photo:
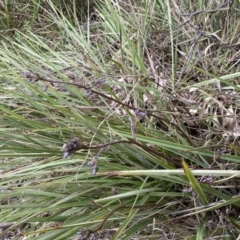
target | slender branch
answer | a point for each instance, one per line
(47, 79)
(76, 145)
(149, 112)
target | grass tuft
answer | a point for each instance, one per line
(100, 102)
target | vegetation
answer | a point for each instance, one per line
(144, 97)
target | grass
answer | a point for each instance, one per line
(145, 98)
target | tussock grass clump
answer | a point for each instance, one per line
(120, 120)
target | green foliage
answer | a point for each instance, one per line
(128, 73)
